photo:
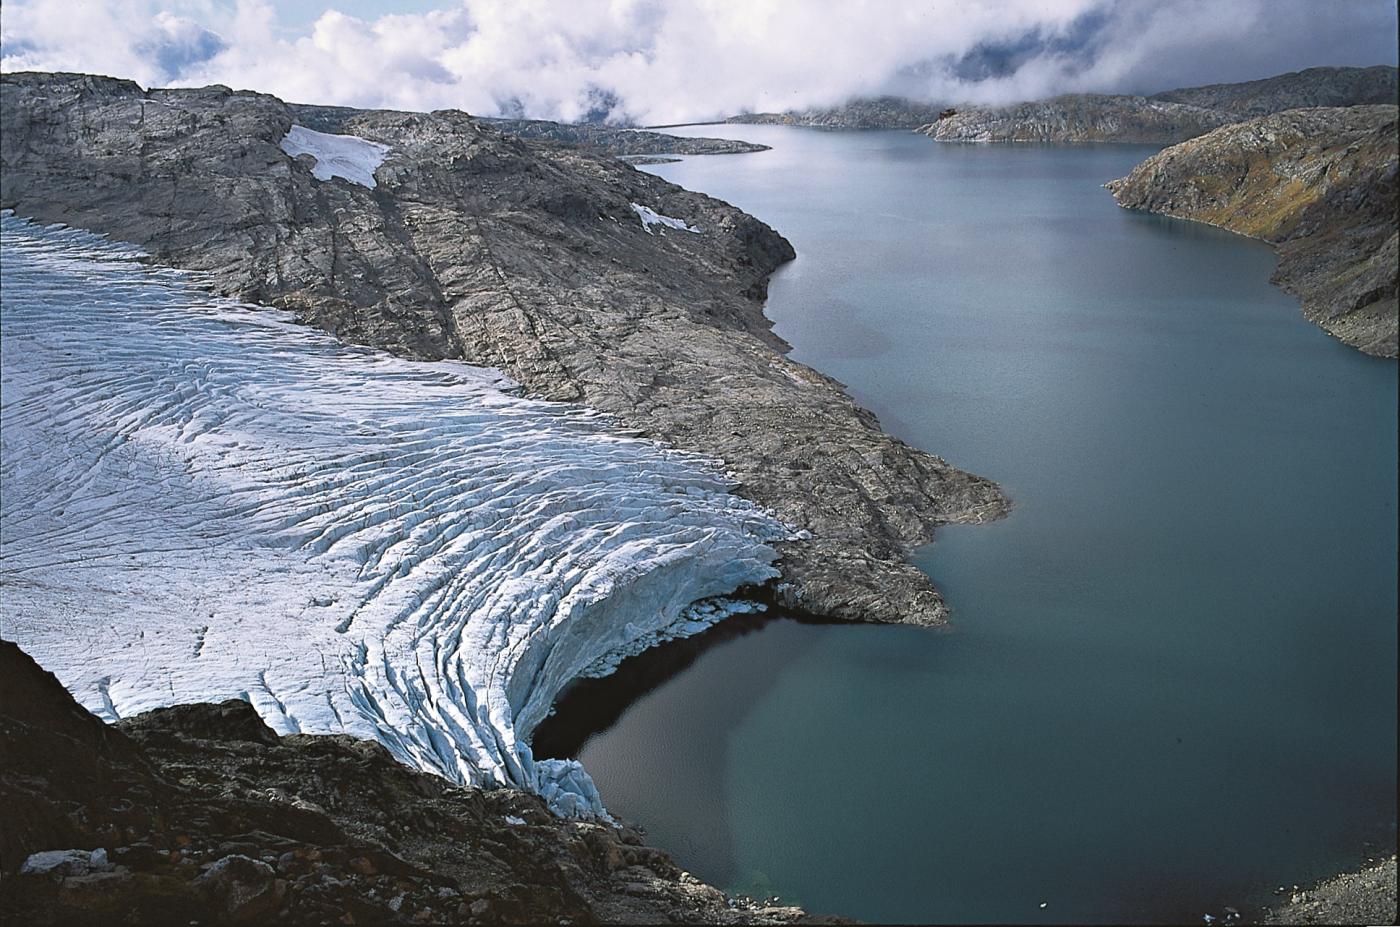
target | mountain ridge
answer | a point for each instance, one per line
(1163, 118)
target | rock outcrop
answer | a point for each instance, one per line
(1080, 117)
(200, 813)
(630, 143)
(1320, 185)
(1163, 118)
(867, 113)
(615, 140)
(533, 258)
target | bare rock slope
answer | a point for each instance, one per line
(864, 113)
(1320, 184)
(615, 140)
(1082, 117)
(620, 141)
(1163, 118)
(201, 814)
(1294, 90)
(544, 261)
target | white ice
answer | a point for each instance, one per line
(204, 501)
(651, 217)
(348, 156)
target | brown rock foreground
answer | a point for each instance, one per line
(201, 814)
(523, 256)
(1320, 185)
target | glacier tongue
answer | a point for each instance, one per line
(204, 500)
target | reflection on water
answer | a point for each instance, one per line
(727, 669)
(1172, 676)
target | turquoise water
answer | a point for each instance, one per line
(1171, 678)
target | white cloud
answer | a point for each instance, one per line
(671, 60)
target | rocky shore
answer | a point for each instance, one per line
(1163, 118)
(1367, 896)
(530, 257)
(201, 814)
(1319, 184)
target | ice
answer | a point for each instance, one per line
(651, 217)
(204, 501)
(347, 156)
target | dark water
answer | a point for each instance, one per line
(1172, 676)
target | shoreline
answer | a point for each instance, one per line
(1364, 895)
(524, 257)
(607, 699)
(783, 595)
(1317, 185)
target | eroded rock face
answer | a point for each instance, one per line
(200, 812)
(530, 258)
(1320, 184)
(1163, 118)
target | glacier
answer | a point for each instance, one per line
(348, 156)
(205, 500)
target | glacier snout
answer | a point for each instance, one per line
(204, 500)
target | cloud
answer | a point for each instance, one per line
(652, 61)
(152, 44)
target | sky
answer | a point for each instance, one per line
(664, 61)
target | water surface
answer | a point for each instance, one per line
(1172, 675)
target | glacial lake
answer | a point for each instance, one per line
(1170, 683)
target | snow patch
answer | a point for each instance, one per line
(651, 217)
(205, 500)
(347, 156)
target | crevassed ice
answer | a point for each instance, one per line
(349, 156)
(205, 501)
(651, 217)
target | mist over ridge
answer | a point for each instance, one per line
(650, 62)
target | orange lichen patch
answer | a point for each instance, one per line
(1267, 210)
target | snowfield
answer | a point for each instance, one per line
(650, 217)
(348, 156)
(204, 500)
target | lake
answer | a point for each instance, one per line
(1170, 681)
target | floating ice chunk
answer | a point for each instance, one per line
(348, 156)
(651, 217)
(207, 501)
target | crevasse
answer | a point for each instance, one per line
(204, 500)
